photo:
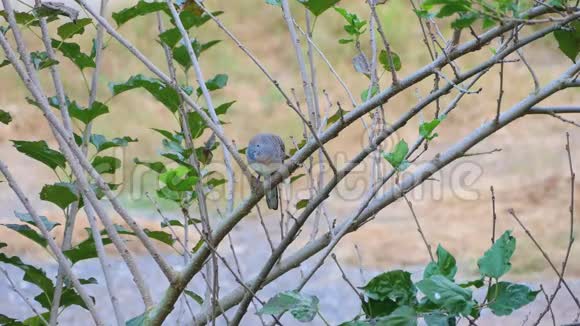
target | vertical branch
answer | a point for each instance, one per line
(201, 81)
(395, 80)
(419, 229)
(308, 93)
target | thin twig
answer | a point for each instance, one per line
(419, 229)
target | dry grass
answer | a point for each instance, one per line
(530, 174)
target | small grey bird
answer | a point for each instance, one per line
(266, 155)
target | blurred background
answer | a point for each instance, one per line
(529, 174)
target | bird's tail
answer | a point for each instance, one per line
(272, 198)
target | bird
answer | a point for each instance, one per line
(265, 154)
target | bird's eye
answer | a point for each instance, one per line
(258, 146)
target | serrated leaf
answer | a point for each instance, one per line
(384, 60)
(397, 157)
(61, 194)
(505, 297)
(28, 232)
(465, 20)
(161, 91)
(426, 128)
(84, 115)
(569, 40)
(5, 117)
(70, 29)
(40, 151)
(196, 124)
(302, 307)
(496, 261)
(445, 265)
(394, 285)
(73, 52)
(24, 217)
(224, 108)
(443, 292)
(142, 8)
(377, 308)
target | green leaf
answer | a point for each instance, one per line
(475, 283)
(302, 203)
(302, 307)
(439, 319)
(5, 117)
(445, 265)
(426, 128)
(71, 29)
(179, 179)
(274, 2)
(141, 320)
(336, 116)
(377, 308)
(101, 143)
(368, 93)
(196, 124)
(4, 63)
(84, 115)
(296, 177)
(161, 91)
(194, 296)
(397, 157)
(160, 236)
(191, 18)
(32, 274)
(181, 55)
(84, 250)
(402, 316)
(569, 40)
(496, 261)
(28, 219)
(35, 320)
(40, 151)
(61, 194)
(450, 296)
(73, 52)
(300, 145)
(5, 320)
(465, 20)
(505, 297)
(317, 7)
(22, 18)
(394, 285)
(142, 8)
(106, 164)
(223, 108)
(155, 166)
(28, 232)
(384, 60)
(217, 82)
(178, 223)
(40, 60)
